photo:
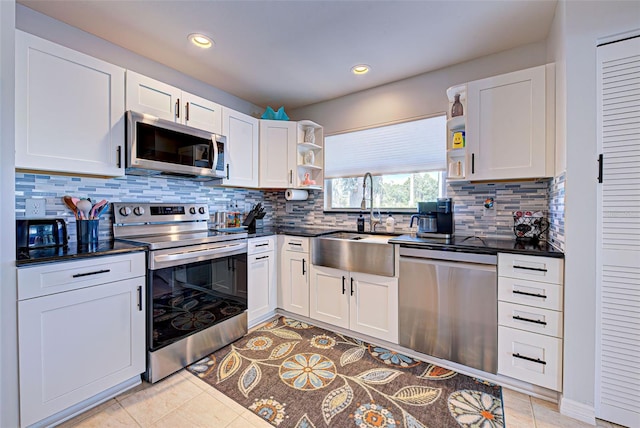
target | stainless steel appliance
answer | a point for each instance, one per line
(157, 146)
(196, 282)
(449, 305)
(435, 219)
(39, 233)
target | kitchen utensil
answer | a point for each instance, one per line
(84, 207)
(97, 208)
(68, 201)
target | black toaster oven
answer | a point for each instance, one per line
(40, 233)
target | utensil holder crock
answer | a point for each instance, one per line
(87, 232)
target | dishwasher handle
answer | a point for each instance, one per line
(450, 256)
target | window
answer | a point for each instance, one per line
(406, 160)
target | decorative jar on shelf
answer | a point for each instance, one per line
(309, 157)
(456, 108)
(309, 135)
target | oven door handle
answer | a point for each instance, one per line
(197, 253)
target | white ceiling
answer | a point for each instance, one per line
(295, 53)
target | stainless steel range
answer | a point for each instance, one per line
(196, 282)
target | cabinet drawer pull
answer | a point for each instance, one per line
(262, 245)
(344, 288)
(352, 286)
(519, 318)
(261, 258)
(524, 293)
(140, 298)
(529, 268)
(535, 360)
(296, 244)
(78, 275)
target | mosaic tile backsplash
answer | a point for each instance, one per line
(471, 217)
(128, 189)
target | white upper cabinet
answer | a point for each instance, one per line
(291, 154)
(69, 110)
(509, 125)
(241, 156)
(277, 154)
(146, 95)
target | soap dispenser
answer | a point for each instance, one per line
(360, 223)
(390, 224)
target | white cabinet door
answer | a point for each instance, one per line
(295, 282)
(77, 344)
(202, 114)
(146, 95)
(374, 306)
(329, 292)
(506, 127)
(618, 234)
(241, 157)
(69, 110)
(261, 282)
(277, 154)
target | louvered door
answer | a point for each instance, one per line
(618, 281)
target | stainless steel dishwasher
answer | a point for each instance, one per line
(449, 306)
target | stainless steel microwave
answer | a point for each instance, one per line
(160, 147)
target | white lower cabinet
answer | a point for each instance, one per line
(261, 279)
(364, 303)
(77, 344)
(530, 326)
(294, 275)
(530, 357)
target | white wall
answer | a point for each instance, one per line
(417, 96)
(556, 54)
(586, 22)
(56, 31)
(8, 292)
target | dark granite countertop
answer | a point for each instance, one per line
(75, 252)
(309, 232)
(486, 245)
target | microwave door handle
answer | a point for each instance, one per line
(197, 253)
(214, 152)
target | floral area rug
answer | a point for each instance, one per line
(293, 374)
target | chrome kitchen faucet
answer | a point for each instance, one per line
(373, 220)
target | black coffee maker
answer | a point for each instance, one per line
(435, 219)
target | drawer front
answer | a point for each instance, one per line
(530, 293)
(534, 268)
(529, 318)
(296, 243)
(261, 245)
(57, 277)
(530, 357)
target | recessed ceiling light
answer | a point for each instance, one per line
(360, 69)
(200, 40)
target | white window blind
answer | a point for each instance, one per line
(416, 146)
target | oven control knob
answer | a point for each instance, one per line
(192, 210)
(138, 211)
(201, 210)
(125, 211)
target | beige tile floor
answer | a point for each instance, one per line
(183, 400)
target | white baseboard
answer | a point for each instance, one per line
(577, 410)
